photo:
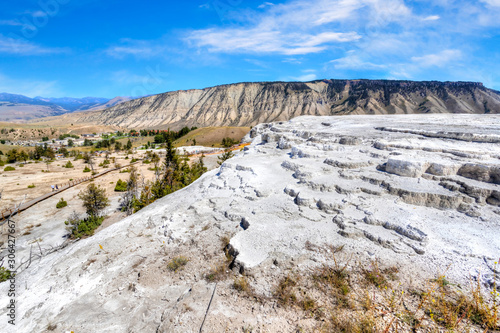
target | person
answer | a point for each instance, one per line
(52, 186)
(57, 188)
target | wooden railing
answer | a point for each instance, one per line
(6, 213)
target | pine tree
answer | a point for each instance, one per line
(225, 156)
(94, 200)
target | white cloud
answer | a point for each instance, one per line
(300, 27)
(431, 18)
(292, 61)
(204, 6)
(266, 4)
(23, 47)
(305, 77)
(258, 41)
(354, 62)
(493, 3)
(440, 59)
(137, 48)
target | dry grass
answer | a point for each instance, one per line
(51, 327)
(241, 284)
(212, 136)
(369, 298)
(218, 272)
(177, 263)
(284, 292)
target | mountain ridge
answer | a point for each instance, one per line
(15, 107)
(250, 103)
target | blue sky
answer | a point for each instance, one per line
(108, 48)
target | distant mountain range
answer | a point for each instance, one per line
(248, 104)
(20, 108)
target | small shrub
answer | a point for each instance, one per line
(86, 227)
(284, 290)
(218, 272)
(177, 263)
(61, 204)
(31, 186)
(9, 168)
(241, 284)
(121, 186)
(21, 165)
(86, 169)
(68, 165)
(5, 274)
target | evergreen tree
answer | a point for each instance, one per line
(225, 156)
(94, 200)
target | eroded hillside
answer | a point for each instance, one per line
(248, 104)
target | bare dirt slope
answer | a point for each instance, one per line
(248, 104)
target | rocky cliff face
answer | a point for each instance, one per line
(248, 104)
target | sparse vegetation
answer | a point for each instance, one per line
(121, 186)
(176, 174)
(61, 204)
(84, 227)
(9, 168)
(241, 284)
(177, 263)
(5, 274)
(225, 156)
(94, 200)
(68, 165)
(228, 142)
(31, 186)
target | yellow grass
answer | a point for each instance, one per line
(212, 136)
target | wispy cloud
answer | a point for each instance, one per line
(431, 18)
(258, 41)
(353, 61)
(305, 77)
(136, 48)
(299, 27)
(9, 45)
(493, 3)
(12, 23)
(266, 4)
(440, 59)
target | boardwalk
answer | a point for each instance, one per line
(15, 210)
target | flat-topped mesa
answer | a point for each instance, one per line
(248, 104)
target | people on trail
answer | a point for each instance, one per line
(57, 188)
(52, 186)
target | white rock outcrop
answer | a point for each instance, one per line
(393, 195)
